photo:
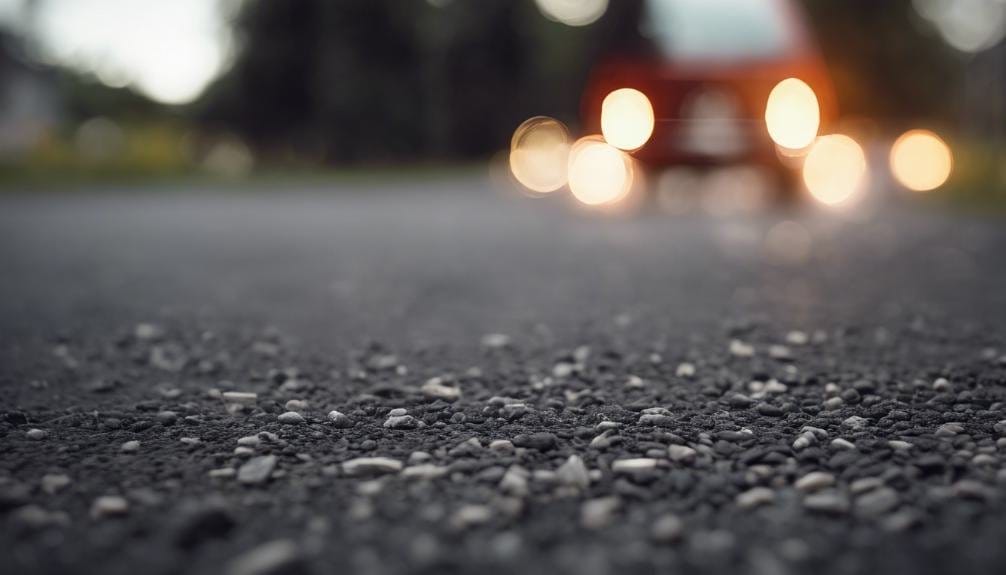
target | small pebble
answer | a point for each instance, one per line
(54, 482)
(36, 434)
(435, 388)
(290, 418)
(339, 419)
(109, 506)
(681, 453)
(495, 340)
(244, 398)
(598, 513)
(754, 497)
(277, 557)
(814, 481)
(371, 466)
(876, 502)
(573, 473)
(401, 422)
(827, 502)
(501, 445)
(667, 529)
(839, 443)
(257, 469)
(634, 465)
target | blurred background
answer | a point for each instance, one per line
(99, 90)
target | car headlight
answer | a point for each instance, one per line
(627, 119)
(792, 114)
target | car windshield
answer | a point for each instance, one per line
(717, 28)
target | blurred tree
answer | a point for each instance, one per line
(885, 64)
(382, 80)
(343, 80)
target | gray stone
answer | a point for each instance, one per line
(339, 419)
(276, 557)
(402, 422)
(876, 502)
(291, 418)
(754, 497)
(831, 502)
(573, 473)
(667, 529)
(598, 513)
(681, 453)
(371, 466)
(257, 469)
(435, 388)
(814, 481)
(109, 506)
(54, 482)
(36, 434)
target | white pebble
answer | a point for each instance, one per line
(36, 434)
(434, 387)
(681, 453)
(634, 465)
(371, 465)
(855, 422)
(839, 443)
(249, 441)
(740, 349)
(54, 482)
(257, 469)
(598, 513)
(424, 471)
(109, 506)
(244, 398)
(495, 340)
(814, 481)
(503, 445)
(941, 384)
(797, 338)
(223, 472)
(130, 446)
(290, 418)
(754, 497)
(573, 473)
(266, 559)
(685, 369)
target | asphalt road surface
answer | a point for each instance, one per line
(442, 377)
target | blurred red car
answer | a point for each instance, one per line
(708, 67)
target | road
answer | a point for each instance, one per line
(709, 394)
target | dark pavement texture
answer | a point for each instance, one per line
(125, 315)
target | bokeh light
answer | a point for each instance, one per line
(968, 25)
(627, 119)
(573, 12)
(539, 154)
(921, 161)
(599, 173)
(792, 114)
(835, 169)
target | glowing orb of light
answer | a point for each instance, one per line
(834, 169)
(573, 12)
(599, 173)
(792, 114)
(921, 161)
(539, 154)
(627, 118)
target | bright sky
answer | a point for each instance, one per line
(169, 50)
